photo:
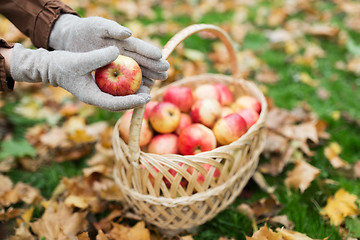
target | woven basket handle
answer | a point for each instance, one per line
(135, 127)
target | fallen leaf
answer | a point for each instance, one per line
(83, 236)
(283, 220)
(22, 233)
(261, 182)
(59, 222)
(301, 176)
(341, 205)
(332, 152)
(10, 213)
(292, 235)
(322, 30)
(121, 232)
(105, 223)
(357, 169)
(266, 207)
(267, 76)
(101, 235)
(265, 233)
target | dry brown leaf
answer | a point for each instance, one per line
(283, 220)
(121, 232)
(27, 193)
(301, 132)
(6, 215)
(265, 233)
(301, 176)
(101, 235)
(357, 169)
(267, 76)
(277, 17)
(292, 235)
(322, 30)
(261, 182)
(83, 236)
(266, 207)
(22, 233)
(105, 223)
(341, 205)
(59, 222)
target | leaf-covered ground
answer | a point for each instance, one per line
(56, 155)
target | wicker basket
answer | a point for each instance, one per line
(177, 208)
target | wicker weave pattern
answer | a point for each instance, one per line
(174, 206)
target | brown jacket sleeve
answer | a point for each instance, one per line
(6, 83)
(35, 19)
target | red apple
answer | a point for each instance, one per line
(226, 111)
(249, 115)
(124, 129)
(180, 96)
(206, 111)
(226, 96)
(185, 120)
(247, 102)
(148, 107)
(165, 117)
(119, 78)
(207, 91)
(196, 138)
(166, 143)
(229, 128)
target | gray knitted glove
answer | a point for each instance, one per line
(75, 34)
(72, 71)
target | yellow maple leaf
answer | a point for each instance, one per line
(332, 152)
(341, 205)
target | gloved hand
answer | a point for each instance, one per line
(75, 34)
(72, 71)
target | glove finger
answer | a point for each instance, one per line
(143, 90)
(115, 103)
(86, 62)
(153, 75)
(108, 28)
(141, 47)
(160, 65)
(147, 82)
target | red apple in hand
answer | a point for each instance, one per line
(165, 117)
(196, 138)
(180, 96)
(124, 129)
(166, 143)
(226, 96)
(119, 78)
(249, 115)
(206, 111)
(229, 128)
(247, 102)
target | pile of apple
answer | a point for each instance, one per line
(188, 122)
